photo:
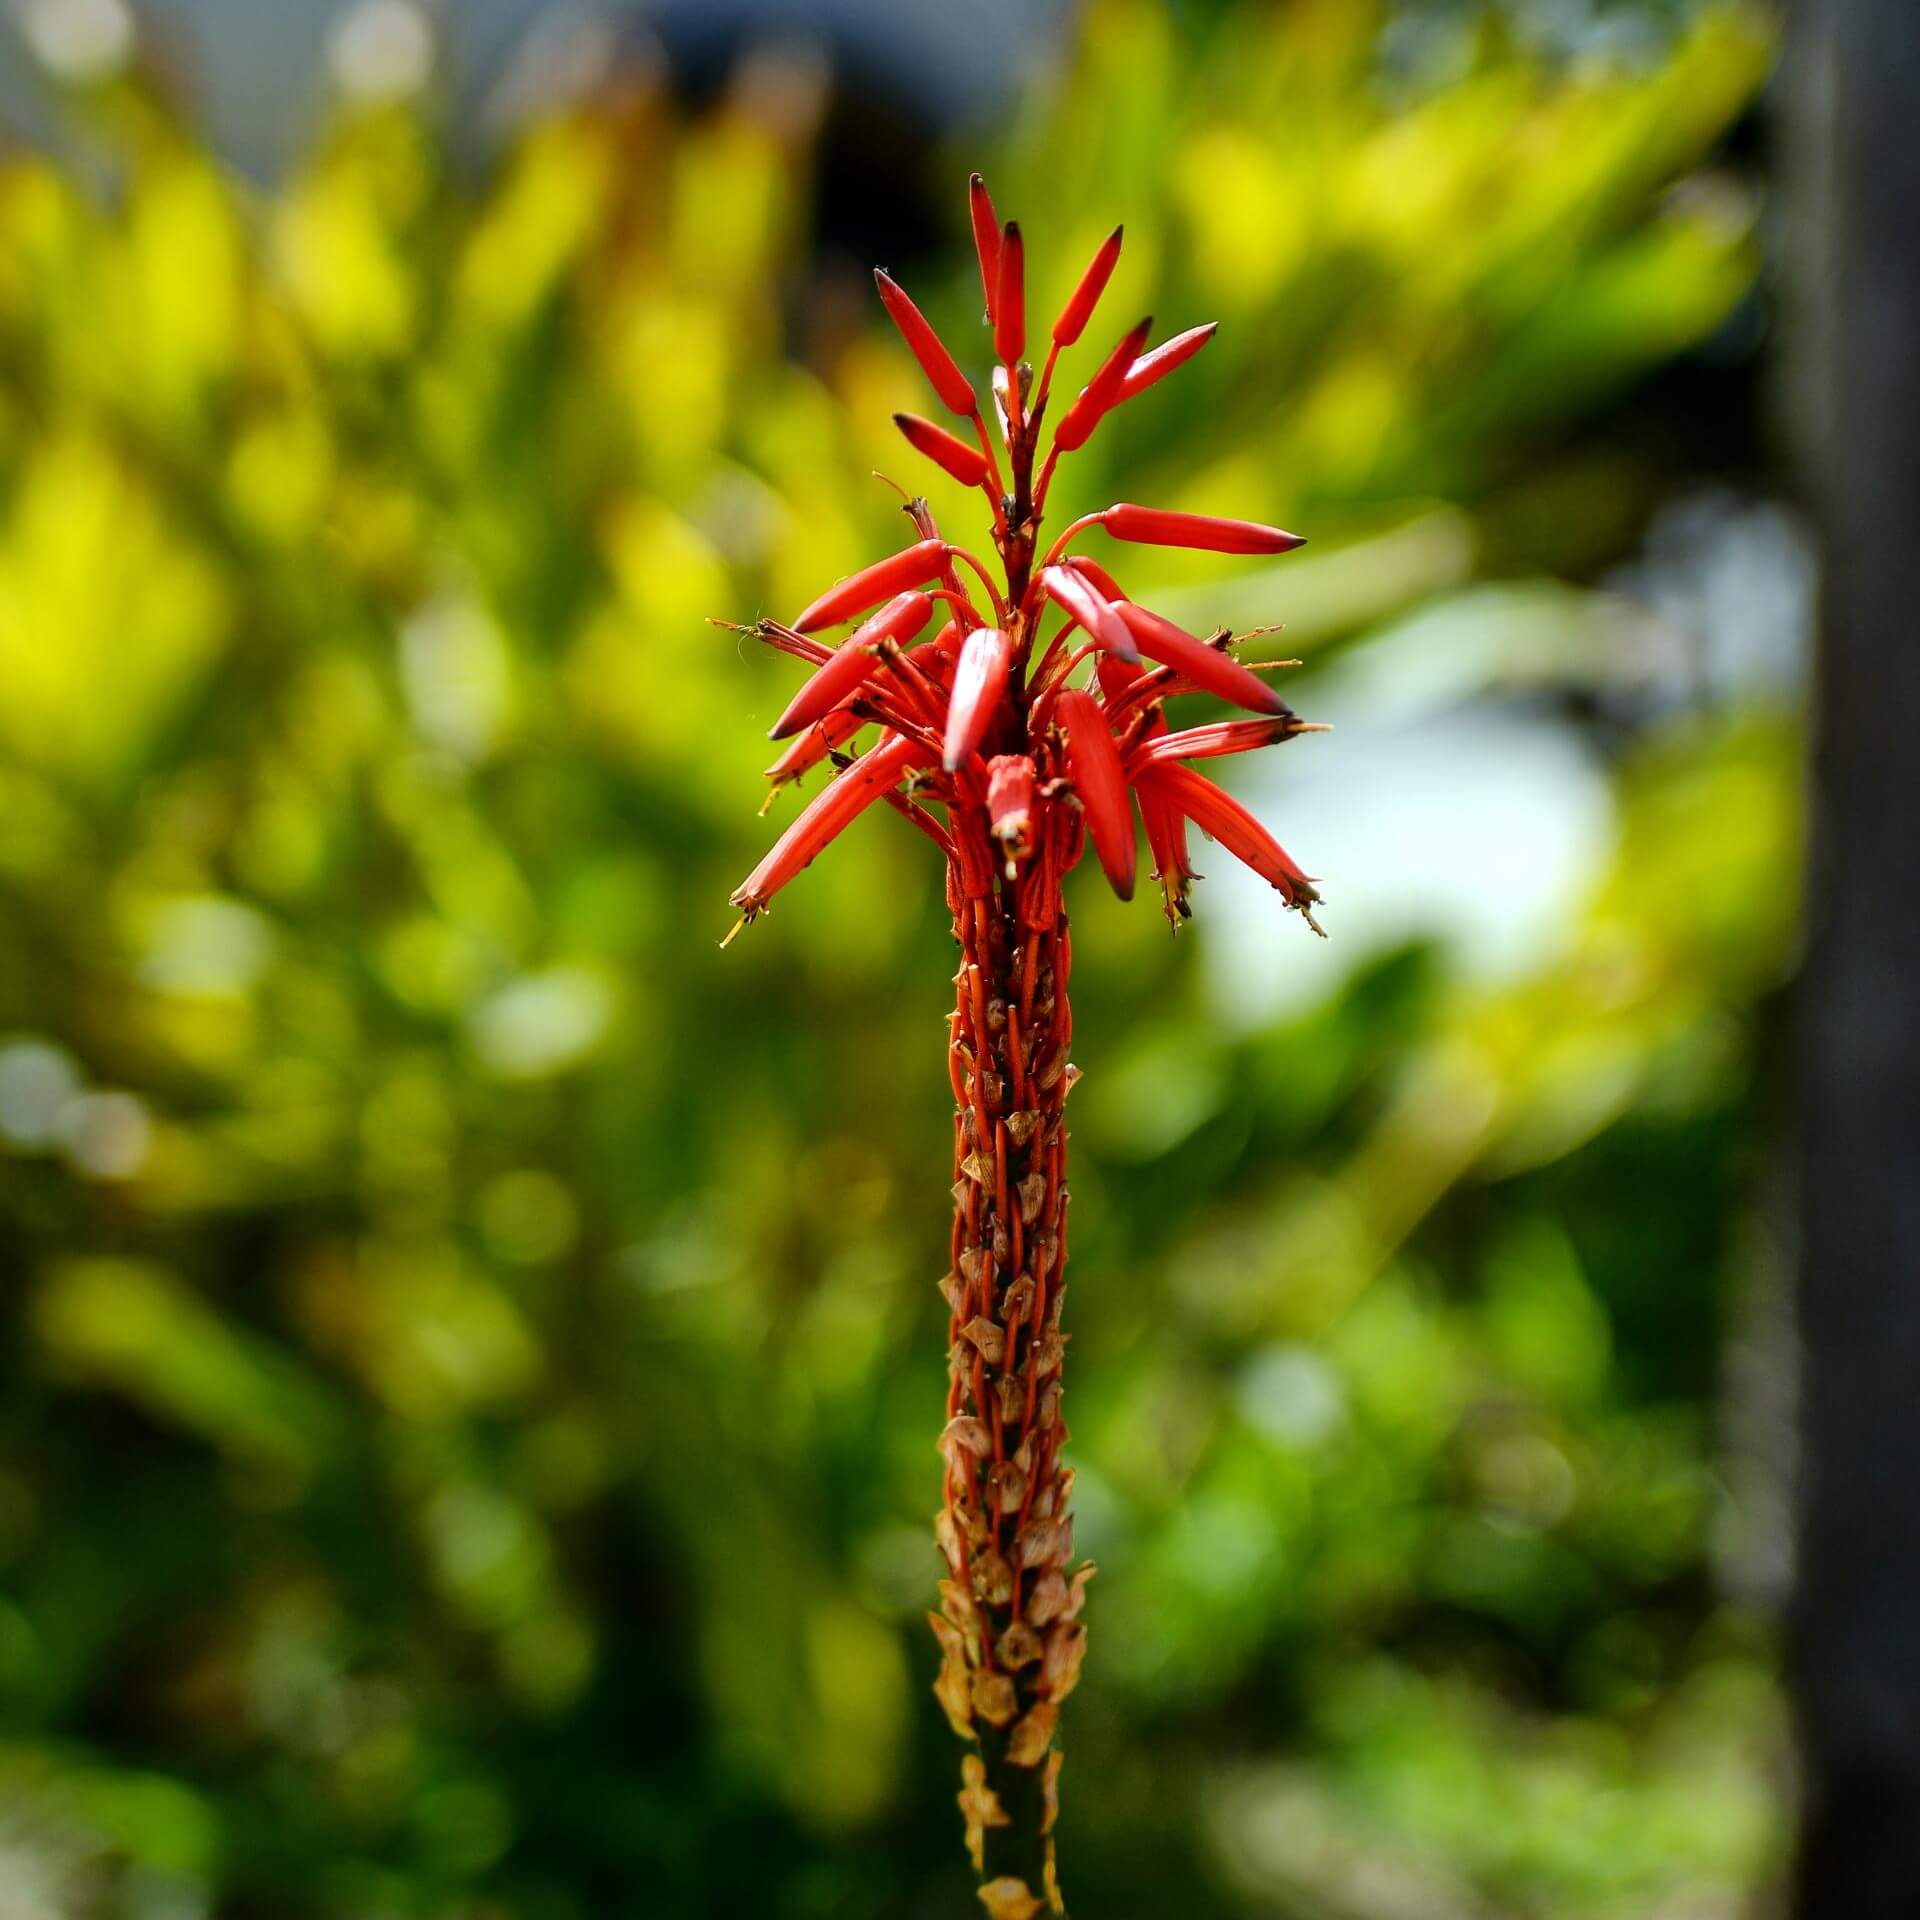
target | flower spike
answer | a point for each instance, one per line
(1013, 773)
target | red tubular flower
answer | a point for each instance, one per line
(1083, 604)
(840, 801)
(979, 681)
(852, 661)
(1097, 577)
(926, 346)
(1208, 668)
(1010, 297)
(1065, 765)
(1156, 365)
(1101, 393)
(1166, 828)
(966, 464)
(1093, 765)
(1010, 801)
(1086, 296)
(815, 744)
(1215, 811)
(1204, 743)
(1155, 527)
(913, 566)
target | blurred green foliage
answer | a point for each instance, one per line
(470, 1361)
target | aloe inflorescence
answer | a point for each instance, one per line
(1030, 748)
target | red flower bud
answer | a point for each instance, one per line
(978, 683)
(1101, 392)
(841, 800)
(1093, 765)
(1010, 297)
(986, 238)
(1083, 605)
(1217, 812)
(913, 566)
(851, 662)
(953, 386)
(1208, 668)
(966, 464)
(1156, 527)
(1165, 357)
(1086, 296)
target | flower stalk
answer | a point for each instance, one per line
(1030, 753)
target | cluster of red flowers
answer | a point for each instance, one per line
(983, 718)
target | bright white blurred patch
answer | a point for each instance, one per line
(1481, 829)
(79, 39)
(454, 665)
(543, 1024)
(206, 945)
(1292, 1396)
(381, 50)
(36, 1080)
(106, 1136)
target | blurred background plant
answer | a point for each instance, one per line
(470, 1347)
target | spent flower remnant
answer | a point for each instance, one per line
(1031, 748)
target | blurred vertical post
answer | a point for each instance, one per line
(1856, 1626)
